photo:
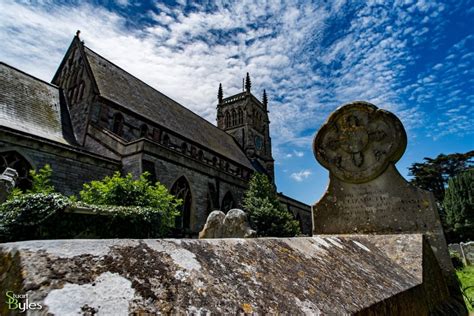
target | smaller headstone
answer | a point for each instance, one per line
(7, 183)
(236, 225)
(232, 225)
(213, 226)
(465, 251)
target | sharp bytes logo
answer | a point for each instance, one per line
(19, 302)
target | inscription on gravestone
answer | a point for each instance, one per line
(359, 144)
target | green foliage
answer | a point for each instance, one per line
(41, 180)
(433, 174)
(16, 192)
(466, 278)
(129, 209)
(125, 191)
(143, 198)
(459, 205)
(21, 214)
(266, 213)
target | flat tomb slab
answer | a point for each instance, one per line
(353, 274)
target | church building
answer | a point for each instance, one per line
(94, 119)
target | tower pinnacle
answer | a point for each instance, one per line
(248, 83)
(220, 93)
(265, 99)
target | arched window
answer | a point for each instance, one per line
(234, 118)
(184, 147)
(300, 222)
(117, 124)
(227, 119)
(156, 134)
(182, 191)
(81, 91)
(144, 130)
(240, 115)
(166, 140)
(12, 159)
(227, 202)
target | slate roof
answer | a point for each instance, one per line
(30, 105)
(120, 87)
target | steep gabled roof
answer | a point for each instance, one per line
(31, 105)
(120, 87)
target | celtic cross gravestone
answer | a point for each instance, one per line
(359, 144)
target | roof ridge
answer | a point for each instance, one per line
(29, 75)
(170, 99)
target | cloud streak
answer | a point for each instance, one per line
(301, 175)
(309, 57)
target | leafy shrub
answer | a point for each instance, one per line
(144, 200)
(41, 180)
(266, 213)
(125, 191)
(20, 216)
(147, 211)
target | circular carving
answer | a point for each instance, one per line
(359, 141)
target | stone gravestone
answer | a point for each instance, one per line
(7, 183)
(232, 225)
(359, 144)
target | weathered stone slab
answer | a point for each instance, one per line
(359, 145)
(355, 274)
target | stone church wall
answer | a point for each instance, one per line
(300, 211)
(168, 172)
(70, 168)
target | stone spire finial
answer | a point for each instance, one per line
(265, 99)
(78, 32)
(248, 83)
(220, 93)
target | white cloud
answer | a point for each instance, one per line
(298, 153)
(301, 175)
(310, 58)
(122, 3)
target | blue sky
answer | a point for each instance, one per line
(414, 58)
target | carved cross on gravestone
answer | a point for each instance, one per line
(359, 144)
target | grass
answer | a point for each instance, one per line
(466, 276)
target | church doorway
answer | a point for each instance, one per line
(228, 202)
(12, 159)
(181, 190)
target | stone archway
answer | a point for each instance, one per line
(12, 159)
(182, 190)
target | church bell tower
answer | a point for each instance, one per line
(246, 118)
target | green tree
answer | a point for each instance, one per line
(266, 213)
(459, 205)
(433, 174)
